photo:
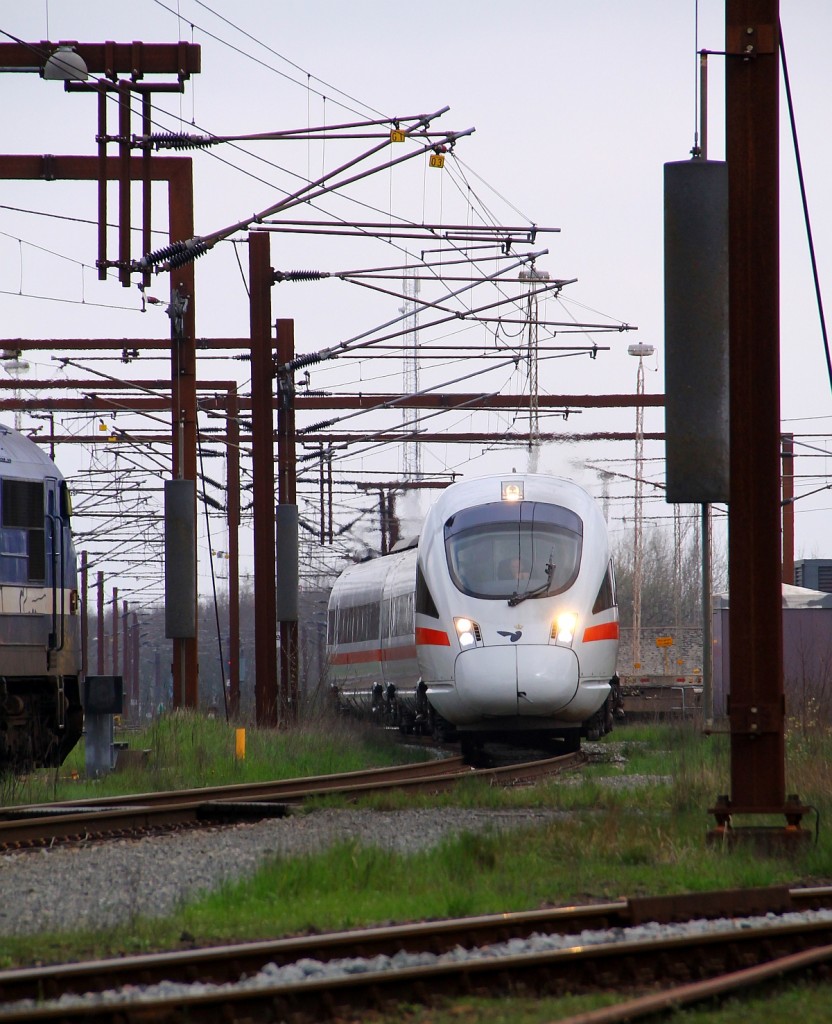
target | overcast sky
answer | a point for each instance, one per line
(576, 109)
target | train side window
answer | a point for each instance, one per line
(23, 509)
(401, 615)
(425, 604)
(346, 626)
(358, 624)
(330, 626)
(606, 594)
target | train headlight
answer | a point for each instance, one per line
(468, 632)
(563, 629)
(512, 490)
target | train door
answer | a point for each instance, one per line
(55, 543)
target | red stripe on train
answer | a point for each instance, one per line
(375, 654)
(603, 631)
(432, 637)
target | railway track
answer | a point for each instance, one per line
(37, 825)
(623, 945)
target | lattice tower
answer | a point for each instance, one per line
(411, 450)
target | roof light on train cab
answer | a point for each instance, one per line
(564, 631)
(512, 490)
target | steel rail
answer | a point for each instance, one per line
(254, 790)
(579, 968)
(695, 992)
(46, 824)
(222, 963)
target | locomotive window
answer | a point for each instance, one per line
(330, 626)
(425, 604)
(496, 551)
(606, 594)
(22, 502)
(22, 509)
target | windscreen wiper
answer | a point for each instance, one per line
(516, 598)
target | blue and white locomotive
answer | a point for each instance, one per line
(41, 716)
(501, 620)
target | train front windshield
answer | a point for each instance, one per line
(505, 549)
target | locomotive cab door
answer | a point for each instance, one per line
(55, 544)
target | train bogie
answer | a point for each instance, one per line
(503, 620)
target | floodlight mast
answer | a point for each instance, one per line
(640, 351)
(533, 319)
(411, 450)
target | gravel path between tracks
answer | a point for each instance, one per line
(105, 884)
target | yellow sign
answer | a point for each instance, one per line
(396, 135)
(664, 641)
(437, 159)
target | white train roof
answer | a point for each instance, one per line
(22, 459)
(535, 487)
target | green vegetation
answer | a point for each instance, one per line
(804, 1002)
(632, 822)
(186, 750)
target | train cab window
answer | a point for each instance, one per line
(606, 595)
(425, 604)
(499, 551)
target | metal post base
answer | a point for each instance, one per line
(767, 839)
(98, 744)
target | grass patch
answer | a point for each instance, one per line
(803, 1001)
(188, 750)
(603, 841)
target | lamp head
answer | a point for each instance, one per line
(65, 65)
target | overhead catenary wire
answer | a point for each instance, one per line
(805, 203)
(332, 351)
(245, 53)
(200, 243)
(504, 321)
(305, 85)
(184, 251)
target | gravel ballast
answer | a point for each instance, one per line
(110, 883)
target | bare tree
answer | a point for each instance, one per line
(661, 577)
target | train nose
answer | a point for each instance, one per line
(528, 680)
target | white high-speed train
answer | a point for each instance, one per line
(502, 619)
